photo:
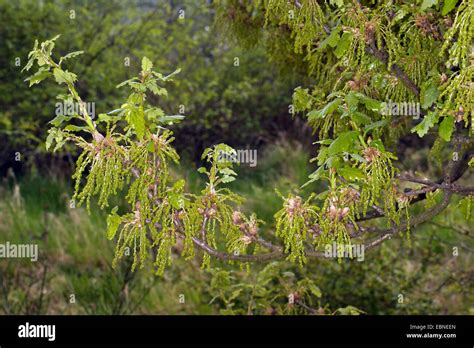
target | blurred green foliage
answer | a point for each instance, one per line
(227, 93)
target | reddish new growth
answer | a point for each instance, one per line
(210, 206)
(339, 205)
(249, 229)
(293, 206)
(336, 212)
(424, 23)
(371, 153)
(101, 143)
(403, 199)
(136, 215)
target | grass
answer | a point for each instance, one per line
(73, 273)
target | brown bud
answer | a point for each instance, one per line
(353, 85)
(350, 195)
(246, 239)
(402, 199)
(344, 211)
(236, 217)
(444, 78)
(336, 213)
(212, 212)
(293, 205)
(333, 214)
(371, 153)
(253, 229)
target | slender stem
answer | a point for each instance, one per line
(87, 118)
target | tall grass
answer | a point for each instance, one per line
(73, 274)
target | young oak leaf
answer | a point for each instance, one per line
(424, 126)
(446, 128)
(113, 222)
(147, 65)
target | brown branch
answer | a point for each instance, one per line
(203, 226)
(277, 254)
(306, 307)
(431, 186)
(414, 221)
(385, 234)
(454, 171)
(396, 70)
